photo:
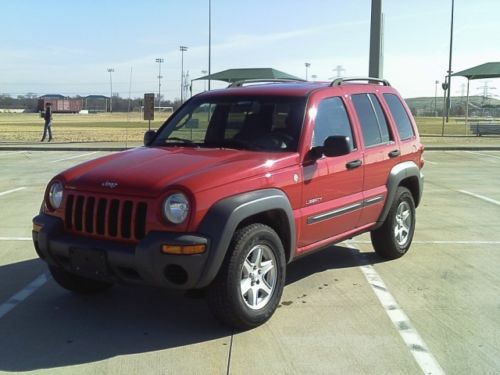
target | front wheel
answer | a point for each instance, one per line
(393, 239)
(248, 288)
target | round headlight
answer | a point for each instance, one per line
(56, 195)
(176, 208)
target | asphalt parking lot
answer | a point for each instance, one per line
(344, 310)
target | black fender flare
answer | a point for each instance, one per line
(223, 219)
(399, 173)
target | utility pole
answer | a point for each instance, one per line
(339, 69)
(307, 65)
(159, 60)
(182, 49)
(435, 97)
(111, 70)
(209, 41)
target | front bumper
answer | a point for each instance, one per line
(107, 260)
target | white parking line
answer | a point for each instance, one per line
(431, 162)
(16, 239)
(456, 242)
(12, 191)
(486, 199)
(407, 331)
(10, 153)
(20, 296)
(74, 157)
(483, 154)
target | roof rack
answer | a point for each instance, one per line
(269, 80)
(340, 81)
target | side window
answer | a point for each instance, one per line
(400, 115)
(372, 119)
(332, 119)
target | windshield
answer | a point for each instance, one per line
(256, 123)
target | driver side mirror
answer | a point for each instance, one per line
(337, 145)
(149, 136)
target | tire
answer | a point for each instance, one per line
(255, 262)
(393, 239)
(76, 283)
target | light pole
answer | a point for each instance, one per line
(159, 60)
(209, 41)
(307, 65)
(182, 49)
(204, 72)
(448, 99)
(435, 97)
(111, 70)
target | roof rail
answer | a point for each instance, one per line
(262, 80)
(340, 81)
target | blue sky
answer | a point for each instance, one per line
(56, 46)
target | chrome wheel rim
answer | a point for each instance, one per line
(402, 225)
(258, 277)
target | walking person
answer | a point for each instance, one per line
(47, 128)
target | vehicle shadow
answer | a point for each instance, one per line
(331, 257)
(54, 328)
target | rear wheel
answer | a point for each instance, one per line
(248, 288)
(393, 239)
(76, 283)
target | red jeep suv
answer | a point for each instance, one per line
(235, 185)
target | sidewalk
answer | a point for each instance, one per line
(431, 143)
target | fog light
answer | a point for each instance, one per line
(183, 249)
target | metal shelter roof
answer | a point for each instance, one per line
(483, 71)
(235, 75)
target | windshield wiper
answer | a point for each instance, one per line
(177, 140)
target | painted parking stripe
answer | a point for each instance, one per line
(486, 199)
(74, 157)
(483, 154)
(407, 331)
(20, 296)
(458, 242)
(12, 191)
(16, 239)
(11, 153)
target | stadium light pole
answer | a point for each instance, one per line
(448, 98)
(204, 72)
(435, 97)
(209, 41)
(159, 60)
(182, 49)
(110, 71)
(307, 70)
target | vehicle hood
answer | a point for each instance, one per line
(149, 171)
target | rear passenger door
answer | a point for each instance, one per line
(381, 153)
(332, 185)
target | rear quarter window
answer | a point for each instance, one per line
(400, 116)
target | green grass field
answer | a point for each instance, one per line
(123, 127)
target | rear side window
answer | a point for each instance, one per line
(400, 115)
(332, 119)
(373, 122)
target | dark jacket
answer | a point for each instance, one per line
(48, 114)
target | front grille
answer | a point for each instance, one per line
(105, 217)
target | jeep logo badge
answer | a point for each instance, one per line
(109, 184)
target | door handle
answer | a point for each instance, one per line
(394, 153)
(354, 164)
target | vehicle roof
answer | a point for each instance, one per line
(278, 89)
(283, 89)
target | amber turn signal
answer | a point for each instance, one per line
(183, 249)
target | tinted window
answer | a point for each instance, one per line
(331, 119)
(400, 115)
(259, 123)
(372, 119)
